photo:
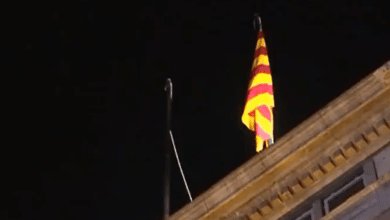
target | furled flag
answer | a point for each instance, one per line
(258, 114)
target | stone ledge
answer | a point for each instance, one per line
(312, 131)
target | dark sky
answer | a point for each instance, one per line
(84, 93)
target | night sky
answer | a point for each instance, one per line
(84, 100)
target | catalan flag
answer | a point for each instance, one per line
(258, 114)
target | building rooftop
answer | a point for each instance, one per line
(326, 146)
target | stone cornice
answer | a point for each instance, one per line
(324, 141)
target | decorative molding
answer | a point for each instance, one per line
(330, 163)
(293, 166)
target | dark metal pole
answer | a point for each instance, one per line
(258, 19)
(167, 174)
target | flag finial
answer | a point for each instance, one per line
(168, 86)
(258, 19)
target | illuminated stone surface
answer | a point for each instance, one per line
(348, 121)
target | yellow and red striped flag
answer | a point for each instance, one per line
(258, 114)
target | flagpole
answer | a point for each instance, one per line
(167, 172)
(169, 140)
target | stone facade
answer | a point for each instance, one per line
(326, 167)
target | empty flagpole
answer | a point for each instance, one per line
(169, 137)
(167, 172)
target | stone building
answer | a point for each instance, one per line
(335, 165)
